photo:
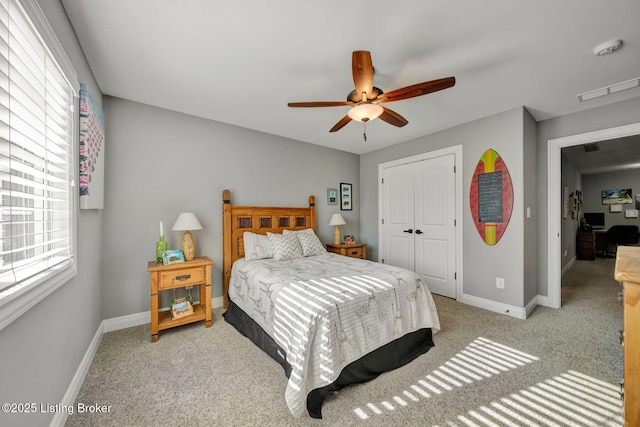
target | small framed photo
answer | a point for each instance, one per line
(332, 196)
(631, 213)
(615, 208)
(345, 197)
(172, 256)
(349, 239)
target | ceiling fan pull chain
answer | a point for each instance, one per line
(364, 135)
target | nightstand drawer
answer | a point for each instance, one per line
(183, 277)
(354, 252)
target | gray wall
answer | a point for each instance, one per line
(41, 350)
(592, 186)
(160, 163)
(571, 179)
(503, 132)
(613, 115)
(530, 195)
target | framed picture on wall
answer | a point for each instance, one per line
(332, 196)
(91, 151)
(617, 197)
(345, 197)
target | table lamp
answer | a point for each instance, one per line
(337, 221)
(186, 222)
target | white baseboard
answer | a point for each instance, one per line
(69, 398)
(509, 310)
(124, 322)
(528, 309)
(131, 320)
(568, 266)
(108, 325)
(543, 300)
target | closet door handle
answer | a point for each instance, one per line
(418, 232)
(408, 231)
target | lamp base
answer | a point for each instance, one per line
(187, 246)
(336, 235)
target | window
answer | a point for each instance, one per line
(37, 160)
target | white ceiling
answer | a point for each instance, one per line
(612, 155)
(240, 62)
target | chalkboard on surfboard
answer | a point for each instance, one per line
(491, 197)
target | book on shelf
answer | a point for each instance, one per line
(181, 308)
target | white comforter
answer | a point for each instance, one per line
(327, 311)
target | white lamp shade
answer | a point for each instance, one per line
(336, 219)
(187, 221)
(365, 112)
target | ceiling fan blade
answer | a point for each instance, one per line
(346, 119)
(417, 90)
(393, 118)
(362, 68)
(321, 104)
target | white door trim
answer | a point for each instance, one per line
(554, 209)
(456, 150)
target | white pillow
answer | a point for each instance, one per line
(256, 246)
(285, 246)
(310, 243)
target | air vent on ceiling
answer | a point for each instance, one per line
(618, 87)
(591, 147)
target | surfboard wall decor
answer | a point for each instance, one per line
(491, 197)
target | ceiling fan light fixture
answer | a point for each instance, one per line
(365, 112)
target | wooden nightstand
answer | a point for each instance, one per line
(353, 250)
(190, 273)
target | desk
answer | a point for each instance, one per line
(601, 243)
(586, 245)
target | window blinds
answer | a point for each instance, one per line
(36, 156)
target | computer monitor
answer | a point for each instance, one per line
(594, 219)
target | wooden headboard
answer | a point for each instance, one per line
(260, 220)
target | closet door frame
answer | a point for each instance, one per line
(456, 150)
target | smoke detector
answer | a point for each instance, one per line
(607, 47)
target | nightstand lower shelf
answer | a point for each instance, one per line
(165, 321)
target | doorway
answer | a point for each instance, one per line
(554, 208)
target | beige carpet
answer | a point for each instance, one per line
(559, 367)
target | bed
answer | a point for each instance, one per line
(328, 320)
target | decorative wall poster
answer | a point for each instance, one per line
(491, 197)
(91, 171)
(616, 197)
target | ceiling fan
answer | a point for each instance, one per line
(365, 99)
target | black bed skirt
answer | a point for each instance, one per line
(386, 358)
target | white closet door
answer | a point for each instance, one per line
(398, 215)
(435, 251)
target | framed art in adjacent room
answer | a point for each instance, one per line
(617, 197)
(345, 197)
